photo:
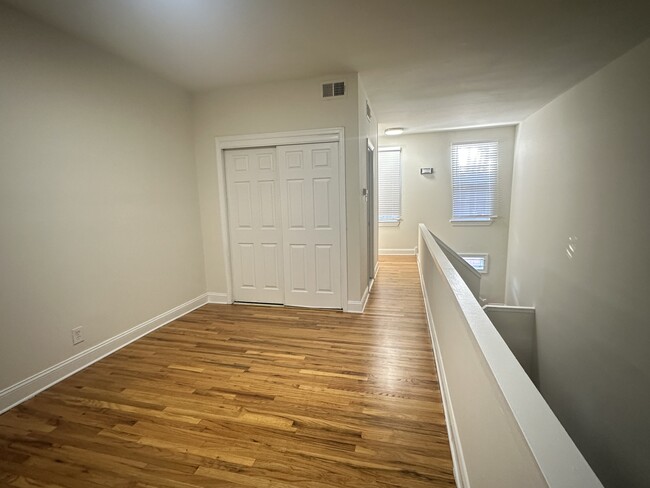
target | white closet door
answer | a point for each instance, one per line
(309, 178)
(255, 225)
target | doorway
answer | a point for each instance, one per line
(370, 205)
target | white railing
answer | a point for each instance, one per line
(466, 271)
(502, 432)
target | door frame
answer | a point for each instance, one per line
(334, 134)
(371, 212)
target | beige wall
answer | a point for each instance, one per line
(98, 200)
(273, 107)
(427, 200)
(581, 179)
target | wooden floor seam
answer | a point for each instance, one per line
(248, 396)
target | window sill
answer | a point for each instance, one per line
(469, 222)
(390, 224)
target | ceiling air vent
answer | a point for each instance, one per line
(334, 89)
(368, 111)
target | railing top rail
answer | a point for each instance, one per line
(461, 261)
(558, 458)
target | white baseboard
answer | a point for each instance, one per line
(458, 460)
(372, 282)
(27, 388)
(359, 306)
(214, 297)
(397, 252)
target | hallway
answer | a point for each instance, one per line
(234, 395)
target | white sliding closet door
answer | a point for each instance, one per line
(309, 179)
(255, 225)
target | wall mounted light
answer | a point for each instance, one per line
(394, 131)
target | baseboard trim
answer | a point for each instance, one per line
(359, 306)
(397, 252)
(458, 460)
(27, 388)
(214, 297)
(372, 282)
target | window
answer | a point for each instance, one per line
(477, 261)
(474, 178)
(390, 185)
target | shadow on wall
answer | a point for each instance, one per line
(516, 326)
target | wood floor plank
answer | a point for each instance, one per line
(236, 395)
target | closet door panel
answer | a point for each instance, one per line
(309, 176)
(254, 222)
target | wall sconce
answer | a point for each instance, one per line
(426, 171)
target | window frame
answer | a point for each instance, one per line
(476, 220)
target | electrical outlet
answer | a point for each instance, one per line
(77, 335)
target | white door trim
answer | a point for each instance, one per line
(334, 134)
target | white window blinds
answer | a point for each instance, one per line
(390, 184)
(474, 180)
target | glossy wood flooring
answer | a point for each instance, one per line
(233, 395)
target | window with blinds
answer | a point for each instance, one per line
(390, 185)
(474, 181)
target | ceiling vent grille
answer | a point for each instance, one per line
(333, 89)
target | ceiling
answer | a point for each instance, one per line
(426, 64)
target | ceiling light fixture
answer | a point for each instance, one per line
(394, 131)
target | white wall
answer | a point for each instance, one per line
(273, 107)
(427, 200)
(581, 178)
(98, 199)
(367, 132)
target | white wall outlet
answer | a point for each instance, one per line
(77, 335)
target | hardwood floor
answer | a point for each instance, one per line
(233, 395)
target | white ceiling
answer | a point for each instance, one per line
(426, 64)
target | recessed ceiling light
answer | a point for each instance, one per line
(394, 131)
